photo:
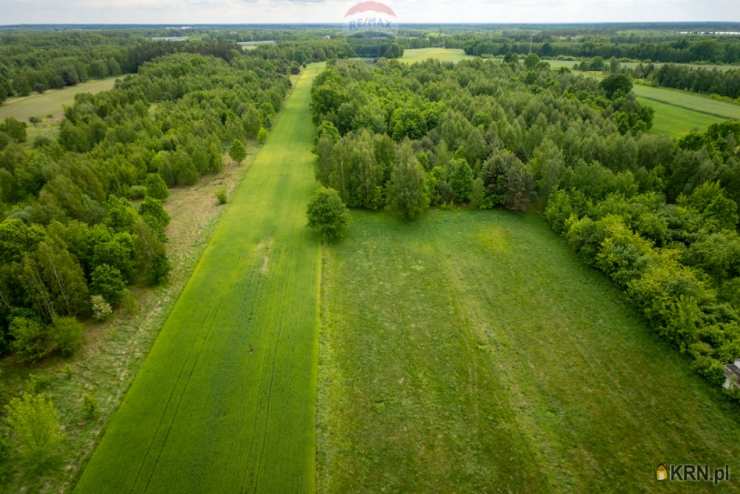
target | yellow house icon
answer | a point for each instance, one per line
(661, 473)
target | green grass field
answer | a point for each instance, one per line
(51, 102)
(473, 352)
(689, 101)
(225, 401)
(676, 121)
(442, 54)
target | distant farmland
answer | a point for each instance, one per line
(441, 54)
(51, 102)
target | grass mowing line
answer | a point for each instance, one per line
(472, 352)
(237, 353)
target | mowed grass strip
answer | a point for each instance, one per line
(473, 352)
(225, 401)
(51, 102)
(413, 55)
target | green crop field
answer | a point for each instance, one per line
(51, 102)
(225, 401)
(473, 352)
(442, 54)
(676, 121)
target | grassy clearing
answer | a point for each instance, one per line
(51, 102)
(442, 54)
(225, 400)
(114, 350)
(690, 101)
(676, 121)
(472, 352)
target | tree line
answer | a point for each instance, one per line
(658, 216)
(678, 48)
(82, 217)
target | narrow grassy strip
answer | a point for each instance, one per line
(472, 352)
(225, 400)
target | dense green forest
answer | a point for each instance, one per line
(51, 60)
(41, 61)
(82, 215)
(658, 216)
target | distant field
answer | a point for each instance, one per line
(473, 352)
(690, 101)
(224, 402)
(51, 102)
(677, 112)
(252, 45)
(441, 54)
(676, 121)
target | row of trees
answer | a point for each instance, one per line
(696, 79)
(82, 215)
(687, 77)
(679, 48)
(658, 216)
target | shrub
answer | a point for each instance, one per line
(221, 196)
(137, 192)
(153, 212)
(712, 369)
(35, 432)
(328, 215)
(66, 335)
(262, 135)
(89, 406)
(237, 151)
(156, 186)
(31, 340)
(100, 308)
(108, 282)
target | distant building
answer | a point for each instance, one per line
(732, 375)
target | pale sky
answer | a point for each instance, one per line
(316, 11)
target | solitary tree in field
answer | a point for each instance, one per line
(328, 215)
(407, 191)
(237, 151)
